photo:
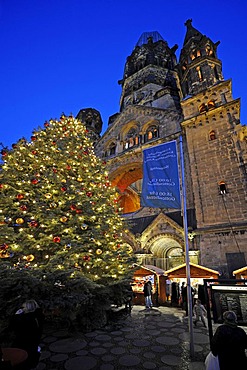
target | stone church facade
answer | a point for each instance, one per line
(163, 98)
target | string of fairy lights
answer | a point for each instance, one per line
(58, 209)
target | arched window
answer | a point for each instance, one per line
(131, 142)
(211, 104)
(131, 133)
(209, 50)
(222, 187)
(199, 72)
(193, 54)
(212, 135)
(112, 149)
(132, 138)
(216, 73)
(203, 108)
(151, 133)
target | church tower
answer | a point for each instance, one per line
(93, 122)
(211, 127)
(198, 63)
(162, 99)
(149, 78)
(150, 114)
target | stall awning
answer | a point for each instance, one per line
(196, 271)
(148, 270)
(155, 269)
(240, 273)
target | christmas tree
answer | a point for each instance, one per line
(58, 210)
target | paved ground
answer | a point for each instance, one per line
(146, 339)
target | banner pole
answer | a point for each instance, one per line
(186, 243)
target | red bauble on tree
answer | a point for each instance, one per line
(57, 207)
(23, 207)
(34, 223)
(34, 181)
(56, 239)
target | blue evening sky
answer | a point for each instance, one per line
(64, 55)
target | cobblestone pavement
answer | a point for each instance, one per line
(146, 339)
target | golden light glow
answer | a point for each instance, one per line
(65, 171)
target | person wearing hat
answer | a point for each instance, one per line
(229, 343)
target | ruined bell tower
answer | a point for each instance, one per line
(163, 98)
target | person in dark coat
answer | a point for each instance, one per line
(129, 295)
(229, 343)
(184, 294)
(175, 294)
(147, 290)
(27, 325)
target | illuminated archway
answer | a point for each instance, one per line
(166, 252)
(127, 179)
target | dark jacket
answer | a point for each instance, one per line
(229, 343)
(147, 290)
(28, 328)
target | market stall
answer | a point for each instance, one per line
(157, 278)
(177, 276)
(240, 273)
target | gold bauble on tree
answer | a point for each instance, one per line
(63, 219)
(19, 221)
(58, 210)
(29, 258)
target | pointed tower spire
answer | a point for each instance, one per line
(192, 33)
(199, 65)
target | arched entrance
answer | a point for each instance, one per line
(128, 179)
(166, 252)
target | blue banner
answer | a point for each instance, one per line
(160, 185)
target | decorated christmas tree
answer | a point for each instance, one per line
(58, 210)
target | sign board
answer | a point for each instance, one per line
(225, 295)
(229, 298)
(160, 184)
